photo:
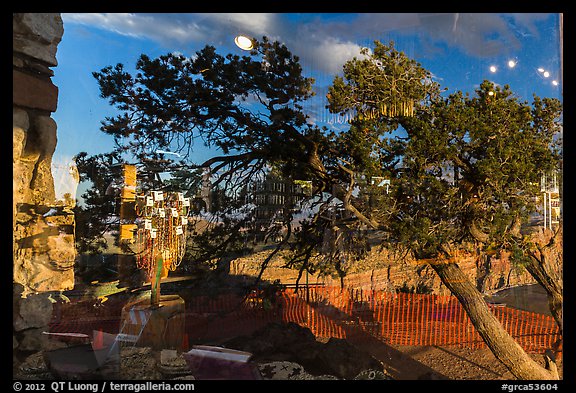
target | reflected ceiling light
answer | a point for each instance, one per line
(243, 42)
(546, 74)
(540, 69)
(493, 68)
(555, 83)
(511, 63)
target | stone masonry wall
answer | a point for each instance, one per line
(43, 228)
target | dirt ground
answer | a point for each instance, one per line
(434, 362)
(463, 363)
(481, 364)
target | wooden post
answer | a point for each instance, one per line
(155, 282)
(128, 273)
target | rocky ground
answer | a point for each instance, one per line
(277, 351)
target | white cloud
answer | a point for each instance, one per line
(334, 54)
(180, 28)
(325, 42)
(253, 23)
(479, 34)
(466, 30)
(164, 28)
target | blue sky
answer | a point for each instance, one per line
(458, 49)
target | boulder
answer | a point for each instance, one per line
(290, 343)
(344, 360)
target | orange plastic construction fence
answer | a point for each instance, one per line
(394, 318)
(412, 319)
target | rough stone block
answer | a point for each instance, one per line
(20, 119)
(38, 35)
(34, 311)
(163, 325)
(32, 92)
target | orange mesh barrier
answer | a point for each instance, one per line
(418, 319)
(394, 318)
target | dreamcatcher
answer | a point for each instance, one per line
(162, 219)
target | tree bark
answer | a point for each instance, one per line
(545, 265)
(502, 345)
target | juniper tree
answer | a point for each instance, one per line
(462, 173)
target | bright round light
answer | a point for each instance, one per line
(555, 83)
(493, 68)
(546, 74)
(243, 42)
(511, 63)
(490, 93)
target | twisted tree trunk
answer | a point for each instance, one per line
(502, 345)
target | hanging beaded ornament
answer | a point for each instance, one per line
(162, 222)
